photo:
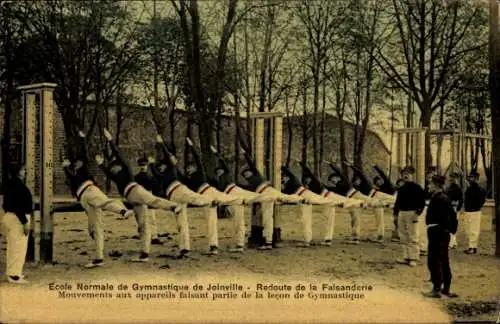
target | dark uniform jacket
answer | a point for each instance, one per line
(365, 187)
(199, 178)
(411, 197)
(149, 183)
(293, 184)
(256, 179)
(428, 194)
(171, 173)
(387, 187)
(442, 213)
(224, 181)
(76, 177)
(314, 184)
(124, 176)
(343, 186)
(475, 197)
(454, 193)
(17, 199)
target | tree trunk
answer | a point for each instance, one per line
(322, 123)
(171, 119)
(305, 134)
(218, 127)
(314, 132)
(189, 133)
(289, 131)
(409, 124)
(119, 118)
(495, 108)
(426, 122)
(237, 122)
(440, 139)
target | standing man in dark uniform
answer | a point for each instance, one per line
(410, 203)
(441, 221)
(475, 197)
(148, 181)
(422, 229)
(455, 194)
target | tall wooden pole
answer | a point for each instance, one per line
(45, 92)
(494, 50)
(155, 58)
(30, 128)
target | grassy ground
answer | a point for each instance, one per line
(475, 276)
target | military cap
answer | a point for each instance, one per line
(408, 169)
(439, 180)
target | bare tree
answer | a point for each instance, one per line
(339, 81)
(369, 86)
(428, 34)
(320, 20)
(86, 48)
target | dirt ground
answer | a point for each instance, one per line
(396, 295)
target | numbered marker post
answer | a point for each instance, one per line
(30, 129)
(45, 92)
(259, 140)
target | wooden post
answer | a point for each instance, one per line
(277, 146)
(30, 127)
(259, 145)
(258, 152)
(275, 121)
(45, 91)
(46, 192)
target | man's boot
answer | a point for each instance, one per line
(256, 238)
(276, 237)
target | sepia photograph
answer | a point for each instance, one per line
(249, 161)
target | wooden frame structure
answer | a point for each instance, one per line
(44, 92)
(259, 122)
(416, 137)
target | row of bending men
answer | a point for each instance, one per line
(176, 190)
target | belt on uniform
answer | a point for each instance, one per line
(203, 188)
(230, 188)
(84, 186)
(262, 187)
(170, 190)
(301, 190)
(129, 188)
(351, 193)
